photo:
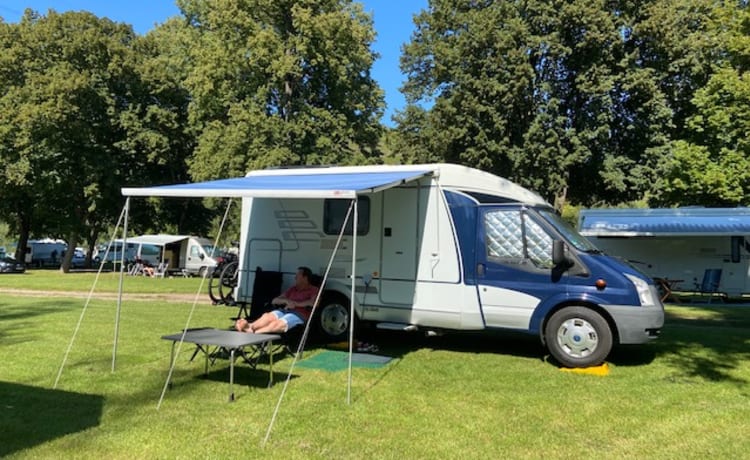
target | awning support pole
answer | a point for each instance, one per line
(355, 201)
(308, 324)
(122, 278)
(88, 301)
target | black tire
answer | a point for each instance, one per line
(578, 337)
(221, 283)
(332, 320)
(227, 282)
(213, 288)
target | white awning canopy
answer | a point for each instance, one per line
(157, 240)
(292, 183)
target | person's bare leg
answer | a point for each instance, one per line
(263, 321)
(277, 326)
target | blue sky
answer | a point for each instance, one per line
(393, 23)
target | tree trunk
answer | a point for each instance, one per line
(560, 199)
(24, 225)
(68, 257)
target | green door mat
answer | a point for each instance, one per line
(330, 360)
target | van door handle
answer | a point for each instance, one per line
(480, 269)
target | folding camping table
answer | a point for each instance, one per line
(233, 342)
(666, 286)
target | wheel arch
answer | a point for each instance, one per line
(337, 288)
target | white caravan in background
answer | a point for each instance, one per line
(46, 252)
(678, 244)
(192, 255)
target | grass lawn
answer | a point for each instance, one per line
(105, 282)
(456, 396)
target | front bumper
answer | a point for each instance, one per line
(636, 324)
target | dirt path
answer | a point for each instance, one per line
(201, 298)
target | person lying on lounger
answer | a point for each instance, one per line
(293, 308)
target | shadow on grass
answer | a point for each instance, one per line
(706, 343)
(396, 344)
(15, 318)
(31, 415)
(258, 378)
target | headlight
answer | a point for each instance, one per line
(644, 292)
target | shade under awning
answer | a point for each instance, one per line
(292, 183)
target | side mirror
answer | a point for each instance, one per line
(558, 254)
(202, 256)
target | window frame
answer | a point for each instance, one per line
(340, 206)
(525, 219)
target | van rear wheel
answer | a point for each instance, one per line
(578, 337)
(332, 320)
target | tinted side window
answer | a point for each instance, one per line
(334, 214)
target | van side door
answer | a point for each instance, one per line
(514, 266)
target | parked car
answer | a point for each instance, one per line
(79, 259)
(11, 265)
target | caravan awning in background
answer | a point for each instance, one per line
(291, 183)
(664, 222)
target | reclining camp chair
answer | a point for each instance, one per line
(291, 339)
(161, 270)
(266, 287)
(136, 268)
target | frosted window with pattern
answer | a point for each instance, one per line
(504, 235)
(512, 237)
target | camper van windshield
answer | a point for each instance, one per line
(209, 248)
(576, 239)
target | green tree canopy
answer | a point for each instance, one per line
(711, 163)
(280, 82)
(88, 107)
(579, 100)
(65, 79)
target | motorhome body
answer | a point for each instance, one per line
(436, 246)
(455, 249)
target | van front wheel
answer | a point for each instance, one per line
(578, 337)
(333, 319)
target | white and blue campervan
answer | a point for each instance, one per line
(436, 247)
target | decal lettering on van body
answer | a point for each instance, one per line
(296, 225)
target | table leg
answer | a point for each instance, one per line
(231, 375)
(171, 363)
(205, 361)
(270, 365)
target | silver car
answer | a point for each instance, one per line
(11, 265)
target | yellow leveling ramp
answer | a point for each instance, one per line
(600, 370)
